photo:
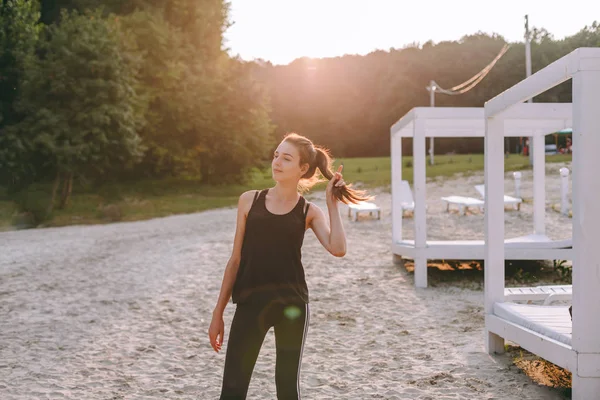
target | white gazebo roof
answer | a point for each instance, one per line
(522, 120)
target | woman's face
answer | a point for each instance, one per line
(286, 163)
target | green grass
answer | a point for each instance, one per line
(375, 172)
(157, 198)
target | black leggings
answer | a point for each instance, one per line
(248, 329)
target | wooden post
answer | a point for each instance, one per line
(420, 218)
(564, 191)
(539, 184)
(586, 231)
(396, 154)
(494, 225)
(517, 176)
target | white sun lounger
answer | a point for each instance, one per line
(407, 203)
(547, 294)
(508, 200)
(363, 206)
(463, 203)
(553, 322)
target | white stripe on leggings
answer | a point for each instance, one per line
(306, 321)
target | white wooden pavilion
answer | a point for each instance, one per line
(524, 120)
(547, 330)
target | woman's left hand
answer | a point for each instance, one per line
(337, 181)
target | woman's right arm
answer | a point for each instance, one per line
(217, 330)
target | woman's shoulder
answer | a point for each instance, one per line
(249, 194)
(247, 198)
(312, 209)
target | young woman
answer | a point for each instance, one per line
(265, 276)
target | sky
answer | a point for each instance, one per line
(283, 30)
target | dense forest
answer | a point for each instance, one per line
(99, 90)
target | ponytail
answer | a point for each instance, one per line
(345, 193)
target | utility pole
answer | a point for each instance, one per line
(528, 74)
(527, 50)
(431, 88)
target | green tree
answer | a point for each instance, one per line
(82, 110)
(167, 83)
(237, 134)
(19, 34)
(204, 107)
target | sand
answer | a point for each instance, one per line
(121, 311)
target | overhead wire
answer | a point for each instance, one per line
(474, 80)
(486, 69)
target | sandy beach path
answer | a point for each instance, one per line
(121, 311)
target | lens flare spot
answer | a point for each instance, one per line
(292, 312)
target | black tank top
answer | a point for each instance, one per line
(270, 266)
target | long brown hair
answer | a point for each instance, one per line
(318, 157)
